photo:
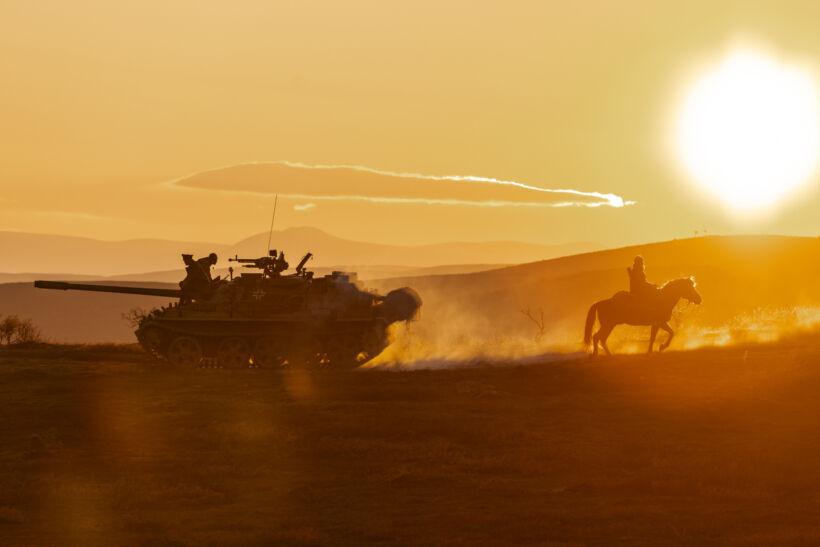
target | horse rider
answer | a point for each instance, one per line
(639, 287)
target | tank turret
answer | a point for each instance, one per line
(266, 317)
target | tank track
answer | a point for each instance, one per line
(338, 346)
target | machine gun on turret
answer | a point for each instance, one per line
(274, 264)
(271, 265)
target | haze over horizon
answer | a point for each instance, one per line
(378, 122)
(57, 254)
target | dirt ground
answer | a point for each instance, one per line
(102, 446)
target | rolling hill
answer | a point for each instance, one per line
(752, 286)
(747, 283)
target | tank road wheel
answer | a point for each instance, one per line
(341, 352)
(306, 356)
(307, 352)
(152, 340)
(306, 359)
(266, 354)
(185, 351)
(233, 353)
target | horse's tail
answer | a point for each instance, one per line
(593, 310)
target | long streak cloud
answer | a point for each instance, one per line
(358, 183)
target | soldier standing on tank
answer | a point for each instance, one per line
(280, 265)
(198, 281)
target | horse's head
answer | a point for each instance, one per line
(683, 287)
(690, 292)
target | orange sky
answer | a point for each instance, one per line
(103, 103)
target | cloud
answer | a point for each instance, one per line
(303, 206)
(346, 182)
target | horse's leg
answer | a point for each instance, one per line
(652, 334)
(668, 329)
(595, 343)
(604, 334)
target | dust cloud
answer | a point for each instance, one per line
(769, 324)
(466, 341)
(416, 348)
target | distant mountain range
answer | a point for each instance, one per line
(69, 257)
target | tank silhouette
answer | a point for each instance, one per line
(266, 318)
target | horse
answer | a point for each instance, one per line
(654, 310)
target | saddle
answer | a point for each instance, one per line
(643, 304)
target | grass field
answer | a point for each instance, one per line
(100, 445)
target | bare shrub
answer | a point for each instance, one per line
(538, 321)
(8, 328)
(14, 330)
(26, 332)
(135, 316)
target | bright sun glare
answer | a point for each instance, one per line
(749, 130)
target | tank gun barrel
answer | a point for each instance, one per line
(147, 291)
(245, 260)
(260, 263)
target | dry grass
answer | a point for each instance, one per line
(101, 446)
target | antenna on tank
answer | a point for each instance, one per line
(272, 218)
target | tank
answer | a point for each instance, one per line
(265, 317)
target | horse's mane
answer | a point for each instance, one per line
(688, 279)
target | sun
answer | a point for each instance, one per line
(748, 130)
